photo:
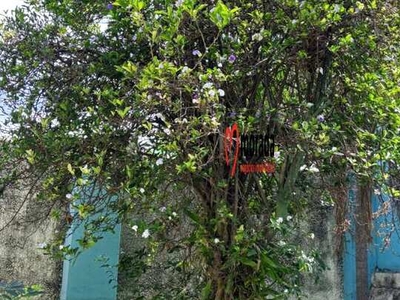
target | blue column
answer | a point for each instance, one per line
(349, 259)
(93, 275)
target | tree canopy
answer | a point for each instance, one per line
(135, 96)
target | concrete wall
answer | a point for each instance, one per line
(21, 260)
(325, 285)
(329, 283)
(27, 227)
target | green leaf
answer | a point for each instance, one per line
(129, 69)
(70, 169)
(248, 262)
(221, 15)
(137, 4)
(206, 292)
(129, 172)
(240, 234)
(123, 112)
(30, 156)
(194, 217)
(97, 170)
(84, 170)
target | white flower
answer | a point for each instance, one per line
(280, 220)
(146, 234)
(196, 52)
(303, 167)
(277, 154)
(281, 243)
(221, 92)
(289, 218)
(208, 85)
(174, 214)
(178, 3)
(216, 240)
(163, 209)
(286, 291)
(141, 190)
(68, 196)
(321, 118)
(312, 236)
(159, 162)
(167, 131)
(214, 121)
(135, 228)
(54, 123)
(61, 247)
(377, 192)
(257, 37)
(195, 101)
(42, 245)
(313, 169)
(309, 104)
(185, 70)
(211, 93)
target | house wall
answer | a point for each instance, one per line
(26, 227)
(329, 283)
(22, 260)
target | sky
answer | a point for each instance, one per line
(9, 4)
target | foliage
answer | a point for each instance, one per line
(16, 290)
(140, 106)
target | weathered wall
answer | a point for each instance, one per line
(329, 283)
(21, 260)
(20, 256)
(132, 284)
(321, 221)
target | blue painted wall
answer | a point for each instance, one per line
(93, 275)
(387, 251)
(381, 256)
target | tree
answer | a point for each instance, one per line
(140, 109)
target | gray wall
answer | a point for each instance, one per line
(20, 258)
(329, 284)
